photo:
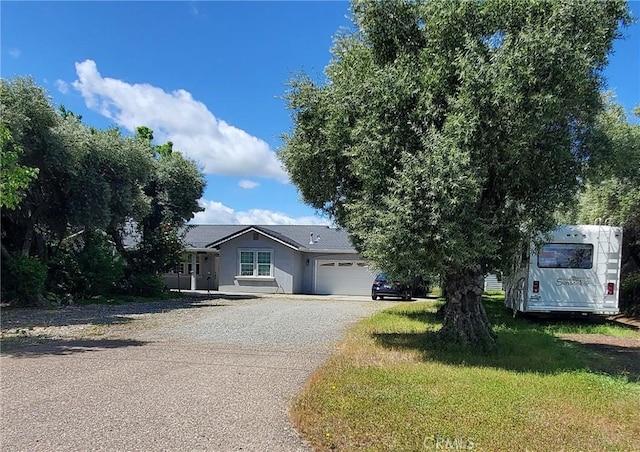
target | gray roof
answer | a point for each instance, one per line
(296, 236)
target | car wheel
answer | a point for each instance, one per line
(374, 297)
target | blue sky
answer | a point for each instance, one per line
(208, 76)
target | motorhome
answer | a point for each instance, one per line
(575, 268)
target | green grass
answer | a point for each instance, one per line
(391, 388)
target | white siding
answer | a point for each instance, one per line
(491, 282)
(284, 266)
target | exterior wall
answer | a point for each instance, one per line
(286, 266)
(207, 268)
(293, 271)
(297, 271)
(206, 271)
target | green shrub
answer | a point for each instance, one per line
(630, 294)
(145, 285)
(64, 276)
(24, 279)
(101, 267)
(95, 269)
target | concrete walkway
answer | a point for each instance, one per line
(219, 379)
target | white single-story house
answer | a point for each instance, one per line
(271, 259)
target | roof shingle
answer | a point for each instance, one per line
(298, 236)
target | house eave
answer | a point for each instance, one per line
(245, 231)
(328, 251)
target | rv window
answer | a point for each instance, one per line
(566, 255)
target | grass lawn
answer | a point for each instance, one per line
(390, 388)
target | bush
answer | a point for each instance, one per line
(630, 294)
(24, 279)
(64, 276)
(145, 285)
(101, 267)
(95, 269)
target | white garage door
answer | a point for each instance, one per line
(343, 277)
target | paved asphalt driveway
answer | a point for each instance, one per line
(216, 378)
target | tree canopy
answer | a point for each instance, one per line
(612, 192)
(15, 177)
(447, 132)
(97, 183)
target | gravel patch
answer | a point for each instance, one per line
(209, 375)
(273, 323)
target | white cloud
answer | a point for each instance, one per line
(62, 86)
(217, 213)
(176, 116)
(248, 184)
(14, 53)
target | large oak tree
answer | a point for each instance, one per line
(448, 131)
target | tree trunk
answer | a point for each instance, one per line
(5, 253)
(465, 319)
(30, 230)
(28, 239)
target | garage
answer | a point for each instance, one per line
(343, 277)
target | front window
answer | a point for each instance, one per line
(264, 263)
(566, 255)
(246, 263)
(256, 263)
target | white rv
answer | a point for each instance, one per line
(574, 269)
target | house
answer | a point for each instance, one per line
(271, 259)
(491, 282)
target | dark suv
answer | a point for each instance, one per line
(383, 287)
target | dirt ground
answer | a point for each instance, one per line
(619, 354)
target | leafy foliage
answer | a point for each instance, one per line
(31, 120)
(448, 131)
(15, 177)
(146, 285)
(173, 191)
(87, 265)
(90, 182)
(630, 293)
(612, 191)
(23, 279)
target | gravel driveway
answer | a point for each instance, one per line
(214, 375)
